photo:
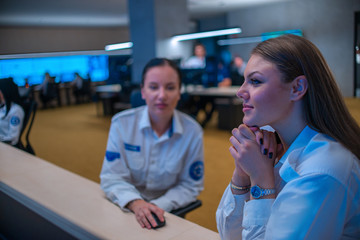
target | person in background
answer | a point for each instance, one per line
(77, 86)
(154, 154)
(311, 189)
(236, 73)
(199, 58)
(240, 65)
(48, 89)
(11, 112)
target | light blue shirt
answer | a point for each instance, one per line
(166, 171)
(318, 196)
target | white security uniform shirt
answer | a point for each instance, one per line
(166, 171)
(10, 126)
(318, 196)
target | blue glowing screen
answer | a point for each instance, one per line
(268, 35)
(62, 68)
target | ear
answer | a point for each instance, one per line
(142, 92)
(299, 87)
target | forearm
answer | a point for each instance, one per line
(178, 196)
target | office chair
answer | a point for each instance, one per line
(135, 98)
(30, 107)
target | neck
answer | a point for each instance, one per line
(160, 125)
(291, 127)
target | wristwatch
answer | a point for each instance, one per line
(258, 192)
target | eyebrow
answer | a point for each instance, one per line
(253, 73)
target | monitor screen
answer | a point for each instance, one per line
(62, 68)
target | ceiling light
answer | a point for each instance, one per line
(239, 41)
(192, 36)
(263, 37)
(118, 46)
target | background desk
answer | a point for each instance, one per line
(223, 99)
(75, 204)
(216, 92)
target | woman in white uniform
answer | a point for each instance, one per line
(311, 190)
(154, 155)
(11, 113)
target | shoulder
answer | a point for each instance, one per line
(188, 123)
(324, 155)
(128, 115)
(16, 109)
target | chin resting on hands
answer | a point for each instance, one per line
(251, 148)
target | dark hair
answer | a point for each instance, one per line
(10, 92)
(156, 62)
(324, 107)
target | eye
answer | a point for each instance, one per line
(171, 87)
(153, 87)
(254, 81)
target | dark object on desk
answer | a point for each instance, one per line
(159, 223)
(181, 212)
(30, 107)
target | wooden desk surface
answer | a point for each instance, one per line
(82, 202)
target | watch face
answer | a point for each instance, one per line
(255, 191)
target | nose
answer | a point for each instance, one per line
(242, 93)
(162, 93)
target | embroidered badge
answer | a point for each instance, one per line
(111, 156)
(15, 120)
(197, 170)
(133, 148)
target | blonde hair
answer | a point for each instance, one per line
(324, 107)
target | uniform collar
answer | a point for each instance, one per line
(290, 158)
(176, 126)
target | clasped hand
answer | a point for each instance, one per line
(254, 152)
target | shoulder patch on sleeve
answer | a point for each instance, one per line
(15, 120)
(111, 156)
(196, 170)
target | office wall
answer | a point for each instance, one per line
(329, 24)
(20, 40)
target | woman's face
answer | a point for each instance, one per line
(266, 98)
(161, 91)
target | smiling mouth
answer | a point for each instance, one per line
(247, 107)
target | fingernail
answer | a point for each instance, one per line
(270, 155)
(261, 141)
(265, 151)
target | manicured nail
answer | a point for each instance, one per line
(261, 141)
(270, 155)
(265, 151)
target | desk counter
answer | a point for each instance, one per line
(227, 92)
(81, 202)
